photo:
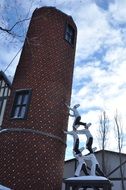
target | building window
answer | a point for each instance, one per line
(70, 34)
(21, 104)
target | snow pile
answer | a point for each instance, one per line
(4, 188)
(87, 178)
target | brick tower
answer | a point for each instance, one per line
(33, 145)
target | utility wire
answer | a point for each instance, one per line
(12, 60)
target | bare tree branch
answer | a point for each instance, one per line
(120, 145)
(9, 31)
(103, 132)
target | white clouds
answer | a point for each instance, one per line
(90, 30)
(116, 56)
(6, 60)
(95, 30)
(99, 81)
(94, 34)
(104, 86)
(118, 11)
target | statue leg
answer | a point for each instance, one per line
(77, 172)
(84, 168)
(89, 145)
(93, 169)
(78, 122)
(76, 147)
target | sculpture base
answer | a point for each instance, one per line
(94, 182)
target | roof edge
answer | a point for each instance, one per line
(6, 78)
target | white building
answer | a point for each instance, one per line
(5, 86)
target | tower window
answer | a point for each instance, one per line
(21, 104)
(70, 34)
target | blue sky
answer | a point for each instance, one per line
(99, 81)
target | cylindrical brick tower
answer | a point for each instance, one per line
(32, 143)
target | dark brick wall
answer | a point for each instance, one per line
(35, 161)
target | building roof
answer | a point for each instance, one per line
(5, 78)
(98, 152)
(109, 152)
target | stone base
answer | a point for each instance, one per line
(94, 182)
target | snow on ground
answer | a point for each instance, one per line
(4, 188)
